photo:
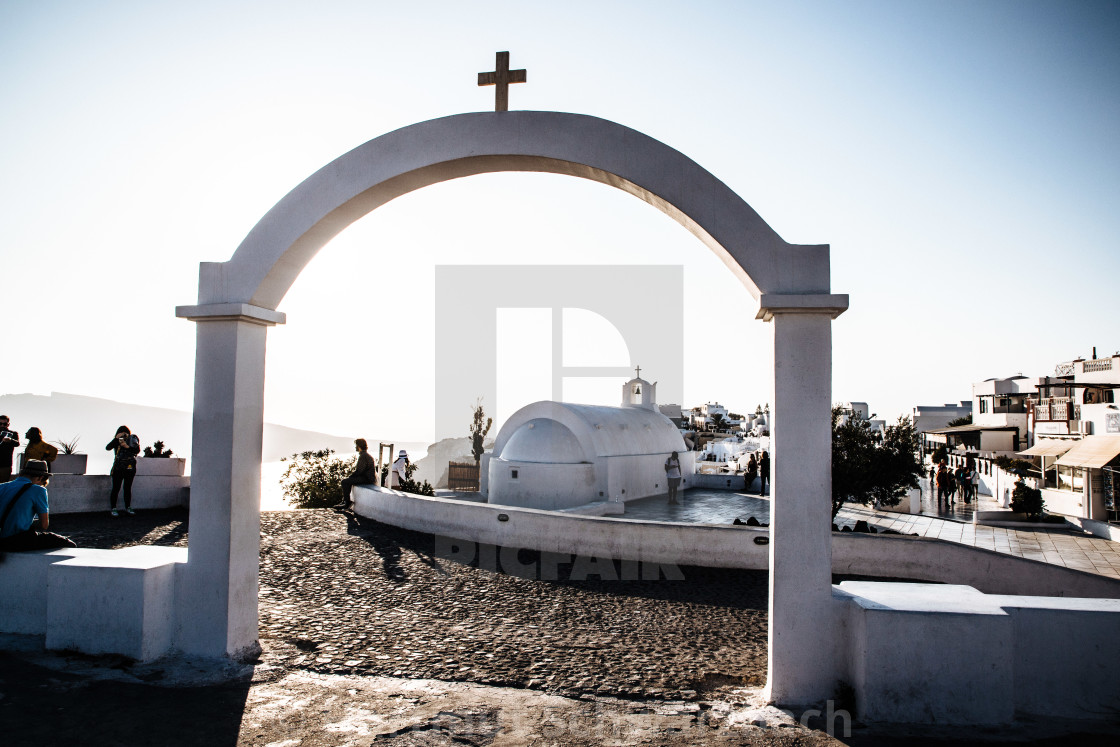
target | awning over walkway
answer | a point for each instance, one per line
(1092, 451)
(1050, 447)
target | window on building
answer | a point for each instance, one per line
(1070, 478)
(983, 405)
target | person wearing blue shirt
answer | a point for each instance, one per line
(22, 501)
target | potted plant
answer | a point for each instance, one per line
(69, 461)
(158, 461)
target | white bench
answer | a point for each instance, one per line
(94, 601)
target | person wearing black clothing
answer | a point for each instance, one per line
(764, 473)
(365, 473)
(9, 440)
(125, 447)
(751, 473)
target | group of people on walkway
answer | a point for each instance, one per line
(756, 468)
(759, 468)
(963, 480)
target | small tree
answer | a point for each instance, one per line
(1027, 500)
(966, 420)
(1020, 467)
(480, 426)
(717, 421)
(314, 478)
(864, 469)
(940, 454)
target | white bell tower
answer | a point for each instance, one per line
(639, 393)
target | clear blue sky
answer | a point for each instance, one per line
(961, 158)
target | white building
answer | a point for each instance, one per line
(1075, 424)
(556, 455)
(932, 417)
(999, 419)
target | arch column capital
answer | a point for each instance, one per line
(833, 304)
(231, 312)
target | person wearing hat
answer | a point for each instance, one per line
(9, 440)
(400, 470)
(37, 448)
(21, 501)
(365, 473)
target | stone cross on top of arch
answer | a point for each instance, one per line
(637, 372)
(500, 79)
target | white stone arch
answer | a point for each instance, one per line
(237, 301)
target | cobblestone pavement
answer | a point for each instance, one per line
(345, 595)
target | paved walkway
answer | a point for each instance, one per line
(1060, 545)
(1071, 548)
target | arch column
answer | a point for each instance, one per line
(801, 662)
(217, 595)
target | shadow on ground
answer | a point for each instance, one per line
(40, 706)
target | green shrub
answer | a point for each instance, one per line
(1018, 467)
(156, 451)
(314, 478)
(408, 485)
(1027, 500)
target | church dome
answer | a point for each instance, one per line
(543, 440)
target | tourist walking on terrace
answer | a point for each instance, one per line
(365, 473)
(942, 484)
(400, 470)
(974, 485)
(125, 447)
(37, 448)
(673, 475)
(22, 501)
(9, 440)
(752, 472)
(763, 473)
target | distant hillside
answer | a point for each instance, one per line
(94, 421)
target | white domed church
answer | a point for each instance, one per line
(556, 455)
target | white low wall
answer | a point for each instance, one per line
(95, 601)
(75, 494)
(591, 536)
(726, 481)
(723, 546)
(982, 659)
(929, 559)
(1096, 528)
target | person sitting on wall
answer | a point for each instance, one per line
(365, 473)
(9, 440)
(22, 501)
(37, 448)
